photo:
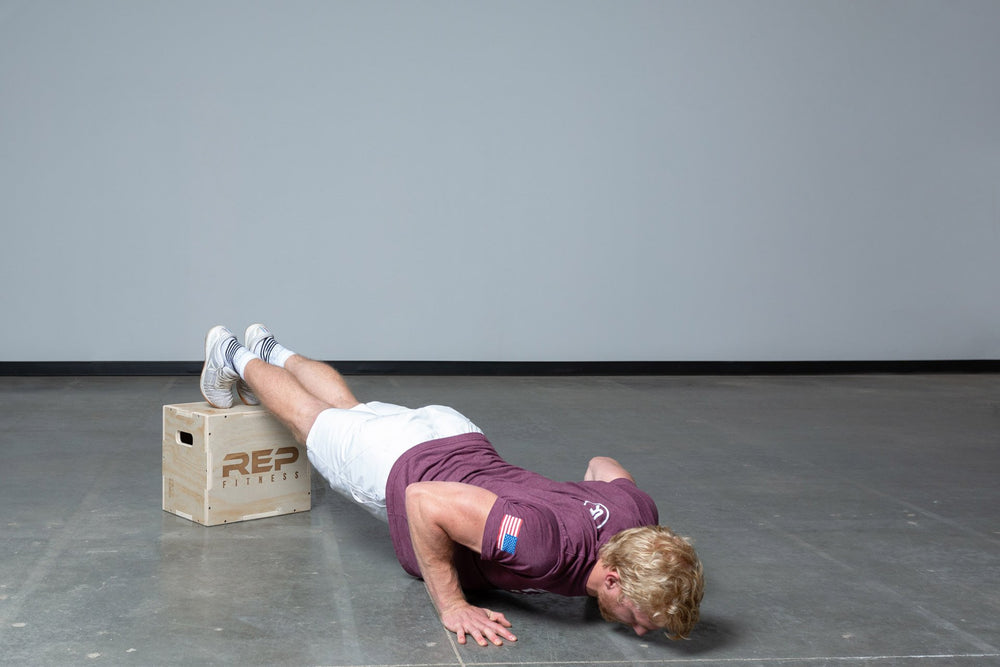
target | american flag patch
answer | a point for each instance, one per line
(510, 527)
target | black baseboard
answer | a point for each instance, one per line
(529, 368)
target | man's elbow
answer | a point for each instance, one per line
(605, 469)
(416, 495)
(594, 467)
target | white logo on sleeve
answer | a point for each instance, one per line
(598, 512)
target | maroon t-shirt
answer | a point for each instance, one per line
(540, 535)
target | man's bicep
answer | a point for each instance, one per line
(460, 510)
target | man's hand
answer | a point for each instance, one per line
(481, 624)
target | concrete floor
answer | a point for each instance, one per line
(841, 521)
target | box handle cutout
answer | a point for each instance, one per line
(185, 438)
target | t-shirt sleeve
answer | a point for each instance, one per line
(525, 539)
(646, 510)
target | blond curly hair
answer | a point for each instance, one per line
(659, 572)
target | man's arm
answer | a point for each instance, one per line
(605, 469)
(441, 515)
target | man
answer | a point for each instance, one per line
(459, 515)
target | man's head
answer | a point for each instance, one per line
(654, 581)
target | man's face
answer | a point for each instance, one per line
(622, 610)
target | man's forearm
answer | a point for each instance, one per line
(435, 553)
(443, 516)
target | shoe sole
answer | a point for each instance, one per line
(208, 337)
(239, 392)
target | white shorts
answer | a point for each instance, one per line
(355, 449)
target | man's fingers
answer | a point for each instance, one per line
(470, 622)
(487, 635)
(502, 621)
(497, 635)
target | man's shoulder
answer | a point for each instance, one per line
(622, 499)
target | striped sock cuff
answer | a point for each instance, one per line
(266, 345)
(232, 347)
(237, 357)
(272, 352)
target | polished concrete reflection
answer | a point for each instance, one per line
(841, 520)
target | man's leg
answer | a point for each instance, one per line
(318, 378)
(322, 381)
(227, 362)
(285, 397)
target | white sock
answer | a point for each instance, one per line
(273, 352)
(238, 357)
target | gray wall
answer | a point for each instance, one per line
(502, 181)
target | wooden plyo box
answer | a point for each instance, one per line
(221, 466)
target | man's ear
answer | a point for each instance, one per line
(611, 581)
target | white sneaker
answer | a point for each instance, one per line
(246, 393)
(254, 334)
(254, 337)
(217, 378)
